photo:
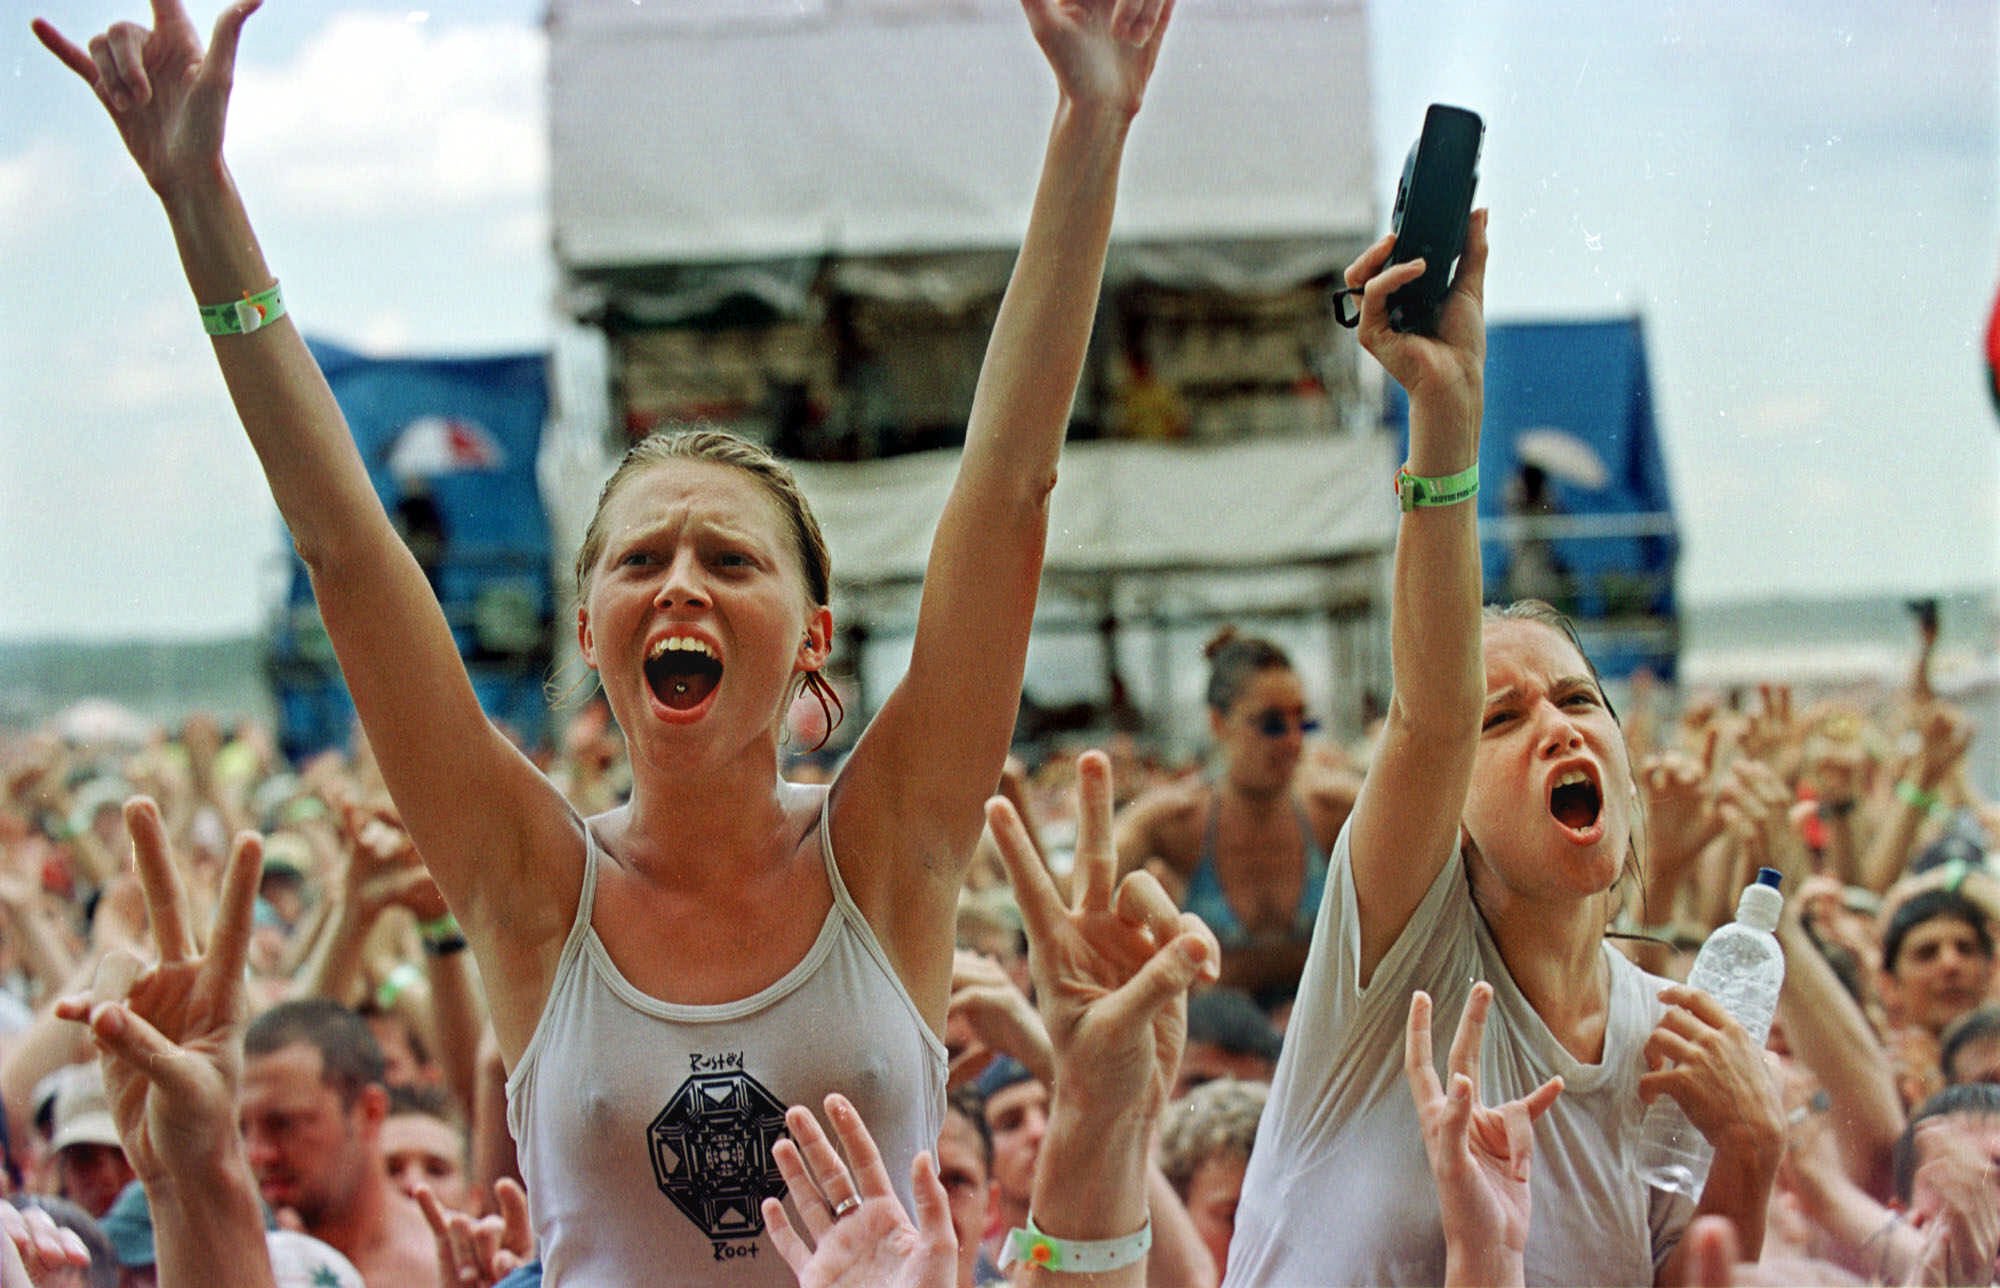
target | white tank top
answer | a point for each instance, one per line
(645, 1128)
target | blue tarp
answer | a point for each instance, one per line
(1587, 380)
(471, 430)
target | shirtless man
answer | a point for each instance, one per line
(312, 1109)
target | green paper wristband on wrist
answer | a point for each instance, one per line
(1414, 490)
(398, 982)
(1914, 796)
(241, 317)
(1074, 1256)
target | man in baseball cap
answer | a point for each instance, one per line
(90, 1163)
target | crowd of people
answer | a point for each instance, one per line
(647, 1007)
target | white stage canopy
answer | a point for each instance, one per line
(715, 131)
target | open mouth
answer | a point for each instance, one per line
(1575, 801)
(682, 671)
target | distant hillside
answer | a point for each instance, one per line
(164, 679)
(1834, 637)
(1965, 619)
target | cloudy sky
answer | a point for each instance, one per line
(1798, 197)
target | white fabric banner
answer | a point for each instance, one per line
(1133, 507)
(696, 131)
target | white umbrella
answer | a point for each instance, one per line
(1561, 455)
(433, 445)
(101, 722)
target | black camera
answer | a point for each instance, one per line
(1433, 207)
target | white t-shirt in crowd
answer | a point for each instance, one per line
(1339, 1191)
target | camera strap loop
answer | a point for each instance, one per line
(1343, 299)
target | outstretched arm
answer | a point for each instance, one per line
(1944, 735)
(1112, 971)
(169, 99)
(910, 796)
(1405, 824)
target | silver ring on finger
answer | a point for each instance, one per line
(845, 1206)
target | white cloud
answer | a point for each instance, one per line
(162, 365)
(36, 185)
(378, 116)
(523, 233)
(385, 332)
(1786, 416)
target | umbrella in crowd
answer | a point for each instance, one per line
(1561, 455)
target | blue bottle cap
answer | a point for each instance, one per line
(1770, 877)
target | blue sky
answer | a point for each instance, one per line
(1798, 198)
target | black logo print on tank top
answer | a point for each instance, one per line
(711, 1151)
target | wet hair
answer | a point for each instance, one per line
(1975, 1025)
(968, 1104)
(1543, 613)
(1217, 1118)
(1971, 1099)
(1233, 661)
(718, 447)
(1929, 905)
(350, 1058)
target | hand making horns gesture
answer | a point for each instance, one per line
(167, 98)
(1479, 1154)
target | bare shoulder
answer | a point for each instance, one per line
(1165, 822)
(1328, 792)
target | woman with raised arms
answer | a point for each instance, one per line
(1490, 840)
(665, 977)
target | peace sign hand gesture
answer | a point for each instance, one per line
(1111, 972)
(171, 1036)
(167, 98)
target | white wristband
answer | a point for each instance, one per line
(1075, 1256)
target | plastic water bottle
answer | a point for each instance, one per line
(1742, 967)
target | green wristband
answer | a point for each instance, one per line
(1413, 490)
(1074, 1256)
(1914, 796)
(398, 982)
(241, 317)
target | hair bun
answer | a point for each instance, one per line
(1218, 642)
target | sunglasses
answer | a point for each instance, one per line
(1276, 724)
